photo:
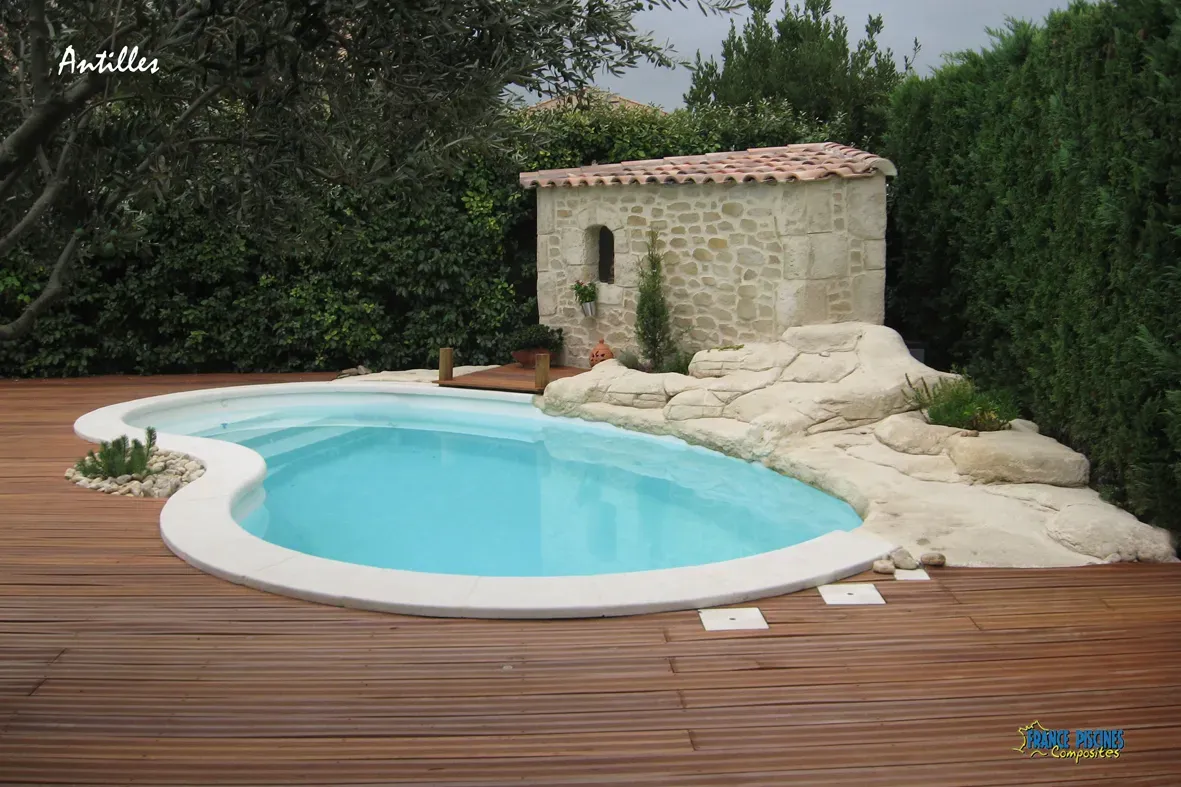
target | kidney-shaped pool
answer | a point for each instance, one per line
(399, 483)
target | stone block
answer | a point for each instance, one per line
(792, 210)
(819, 198)
(866, 213)
(545, 210)
(547, 295)
(829, 257)
(874, 255)
(869, 297)
(610, 295)
(800, 302)
(797, 253)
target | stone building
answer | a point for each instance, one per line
(755, 242)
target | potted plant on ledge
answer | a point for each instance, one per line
(586, 293)
(527, 342)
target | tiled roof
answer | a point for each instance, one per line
(813, 161)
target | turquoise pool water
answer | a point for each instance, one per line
(501, 490)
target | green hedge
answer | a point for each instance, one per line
(380, 276)
(1035, 233)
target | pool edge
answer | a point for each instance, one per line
(197, 525)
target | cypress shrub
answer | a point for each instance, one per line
(1035, 233)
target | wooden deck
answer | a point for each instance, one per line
(119, 663)
(510, 377)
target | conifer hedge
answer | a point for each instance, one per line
(1035, 233)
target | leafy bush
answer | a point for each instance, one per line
(377, 275)
(1035, 233)
(118, 457)
(960, 404)
(536, 337)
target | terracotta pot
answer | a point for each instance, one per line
(528, 358)
(600, 353)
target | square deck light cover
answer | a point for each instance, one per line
(851, 593)
(914, 573)
(732, 619)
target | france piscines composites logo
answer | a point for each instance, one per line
(1037, 741)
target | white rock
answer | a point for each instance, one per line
(1102, 531)
(836, 337)
(1018, 458)
(123, 479)
(883, 567)
(903, 559)
(1021, 425)
(753, 357)
(935, 559)
(909, 433)
(899, 475)
(827, 368)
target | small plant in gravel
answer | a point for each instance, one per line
(119, 457)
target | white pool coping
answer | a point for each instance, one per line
(197, 524)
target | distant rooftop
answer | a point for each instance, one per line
(612, 99)
(812, 161)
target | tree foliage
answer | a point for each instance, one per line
(804, 59)
(280, 97)
(1035, 234)
(376, 273)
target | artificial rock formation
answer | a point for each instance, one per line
(828, 404)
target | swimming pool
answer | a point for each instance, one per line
(434, 501)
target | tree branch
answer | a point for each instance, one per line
(48, 196)
(54, 289)
(11, 179)
(39, 40)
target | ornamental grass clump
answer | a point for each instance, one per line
(959, 403)
(118, 458)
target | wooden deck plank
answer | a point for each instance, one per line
(120, 663)
(511, 377)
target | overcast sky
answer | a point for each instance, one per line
(940, 25)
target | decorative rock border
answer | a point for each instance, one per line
(168, 473)
(828, 404)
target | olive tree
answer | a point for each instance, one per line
(107, 105)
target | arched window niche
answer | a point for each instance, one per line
(601, 244)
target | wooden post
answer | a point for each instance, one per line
(445, 361)
(541, 371)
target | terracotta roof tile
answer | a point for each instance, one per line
(812, 161)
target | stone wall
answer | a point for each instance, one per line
(744, 261)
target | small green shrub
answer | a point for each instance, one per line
(653, 327)
(536, 337)
(960, 404)
(628, 359)
(118, 457)
(678, 361)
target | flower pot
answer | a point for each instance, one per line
(589, 309)
(528, 358)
